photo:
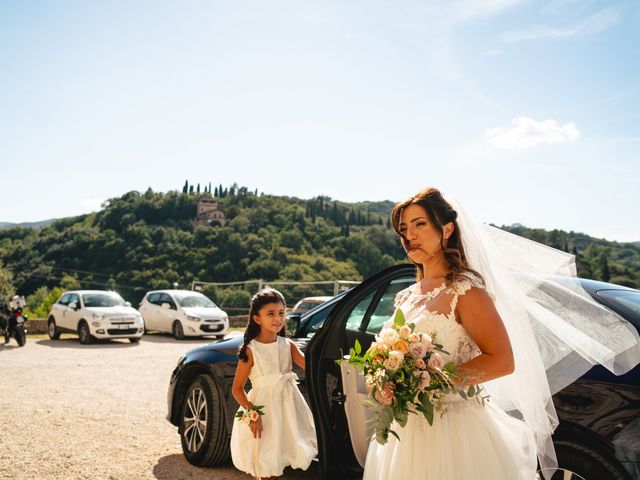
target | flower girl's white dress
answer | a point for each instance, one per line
(288, 436)
(470, 442)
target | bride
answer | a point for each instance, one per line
(468, 295)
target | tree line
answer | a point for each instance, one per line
(149, 240)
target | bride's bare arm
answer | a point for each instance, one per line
(481, 320)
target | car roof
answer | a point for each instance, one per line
(317, 299)
(596, 285)
(82, 292)
(173, 291)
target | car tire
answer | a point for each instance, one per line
(178, 332)
(203, 427)
(590, 464)
(52, 329)
(84, 334)
(134, 339)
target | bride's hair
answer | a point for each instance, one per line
(259, 300)
(440, 212)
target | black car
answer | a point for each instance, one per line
(598, 436)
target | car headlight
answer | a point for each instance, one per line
(98, 316)
(194, 319)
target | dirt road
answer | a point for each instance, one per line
(71, 411)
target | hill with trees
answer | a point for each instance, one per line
(151, 240)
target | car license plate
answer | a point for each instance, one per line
(123, 326)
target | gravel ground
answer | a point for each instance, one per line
(72, 411)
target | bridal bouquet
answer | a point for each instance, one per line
(405, 373)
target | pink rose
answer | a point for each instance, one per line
(436, 361)
(385, 396)
(417, 350)
(420, 364)
(414, 337)
(405, 331)
(253, 416)
(424, 382)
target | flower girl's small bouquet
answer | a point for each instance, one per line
(249, 415)
(405, 373)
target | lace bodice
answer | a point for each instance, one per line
(418, 308)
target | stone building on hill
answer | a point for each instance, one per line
(209, 213)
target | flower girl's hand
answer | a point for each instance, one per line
(256, 428)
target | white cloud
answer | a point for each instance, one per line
(525, 132)
(590, 26)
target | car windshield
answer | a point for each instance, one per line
(626, 302)
(103, 300)
(193, 300)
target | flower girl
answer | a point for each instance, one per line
(275, 427)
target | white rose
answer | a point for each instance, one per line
(426, 340)
(389, 336)
(394, 361)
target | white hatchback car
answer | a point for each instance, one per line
(94, 314)
(183, 313)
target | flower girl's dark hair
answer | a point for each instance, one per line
(259, 300)
(440, 213)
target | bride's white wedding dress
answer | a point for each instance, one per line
(470, 441)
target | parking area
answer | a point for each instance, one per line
(71, 411)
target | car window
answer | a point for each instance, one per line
(385, 308)
(193, 300)
(625, 302)
(92, 300)
(154, 298)
(64, 300)
(357, 314)
(317, 320)
(165, 298)
(74, 299)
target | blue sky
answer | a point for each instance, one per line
(526, 111)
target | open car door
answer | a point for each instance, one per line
(337, 392)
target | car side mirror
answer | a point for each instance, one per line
(73, 305)
(293, 323)
(166, 305)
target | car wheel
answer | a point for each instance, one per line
(178, 333)
(84, 334)
(134, 339)
(585, 462)
(52, 330)
(203, 430)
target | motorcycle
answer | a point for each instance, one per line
(12, 322)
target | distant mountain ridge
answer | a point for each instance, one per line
(39, 224)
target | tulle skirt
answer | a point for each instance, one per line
(288, 436)
(470, 442)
